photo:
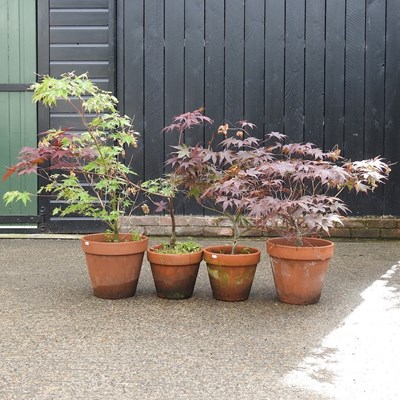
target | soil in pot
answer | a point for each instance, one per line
(299, 272)
(231, 275)
(174, 275)
(114, 267)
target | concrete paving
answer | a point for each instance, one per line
(58, 341)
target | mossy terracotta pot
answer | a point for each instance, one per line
(231, 275)
(299, 272)
(174, 274)
(114, 267)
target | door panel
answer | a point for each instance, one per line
(18, 120)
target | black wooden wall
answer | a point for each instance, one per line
(326, 71)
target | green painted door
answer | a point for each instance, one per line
(18, 125)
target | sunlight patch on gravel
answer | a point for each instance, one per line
(361, 358)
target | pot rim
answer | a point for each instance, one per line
(174, 259)
(222, 259)
(151, 250)
(318, 249)
(96, 244)
(93, 237)
(208, 249)
(318, 242)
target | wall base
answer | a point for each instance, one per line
(373, 227)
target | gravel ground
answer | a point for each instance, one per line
(58, 341)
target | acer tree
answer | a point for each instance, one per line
(297, 194)
(293, 189)
(86, 170)
(204, 173)
(167, 187)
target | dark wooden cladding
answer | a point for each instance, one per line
(130, 81)
(294, 69)
(194, 64)
(174, 69)
(79, 17)
(78, 35)
(375, 78)
(375, 87)
(274, 60)
(174, 66)
(95, 69)
(79, 52)
(316, 71)
(254, 64)
(80, 39)
(335, 27)
(75, 36)
(354, 79)
(234, 60)
(391, 199)
(325, 71)
(214, 66)
(154, 88)
(194, 74)
(90, 4)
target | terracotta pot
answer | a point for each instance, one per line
(299, 272)
(174, 274)
(231, 275)
(114, 268)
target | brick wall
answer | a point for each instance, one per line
(365, 227)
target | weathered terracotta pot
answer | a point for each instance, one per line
(174, 274)
(114, 268)
(299, 272)
(231, 275)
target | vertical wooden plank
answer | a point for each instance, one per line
(15, 142)
(334, 73)
(174, 65)
(4, 65)
(194, 75)
(392, 101)
(314, 72)
(43, 65)
(214, 65)
(294, 70)
(254, 64)
(274, 64)
(29, 138)
(374, 77)
(14, 43)
(43, 44)
(5, 154)
(234, 60)
(17, 129)
(214, 69)
(133, 48)
(120, 55)
(354, 81)
(353, 141)
(154, 88)
(174, 75)
(374, 92)
(194, 64)
(27, 24)
(112, 42)
(27, 123)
